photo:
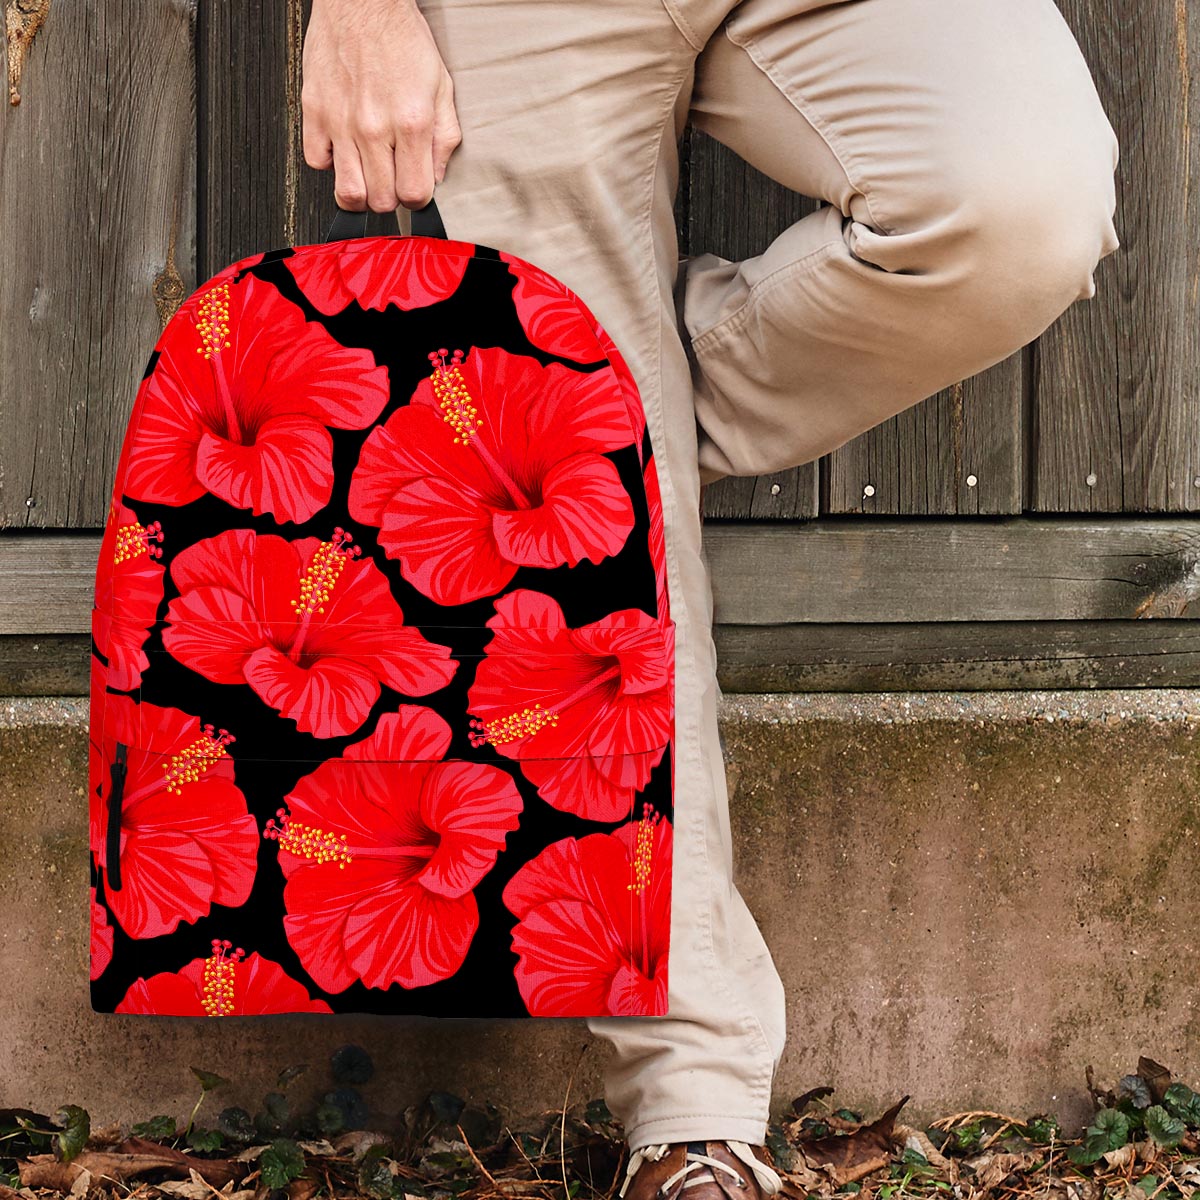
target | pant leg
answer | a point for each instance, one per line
(968, 167)
(570, 112)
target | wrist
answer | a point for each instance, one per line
(366, 9)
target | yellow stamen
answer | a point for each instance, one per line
(212, 321)
(643, 851)
(190, 763)
(220, 974)
(454, 399)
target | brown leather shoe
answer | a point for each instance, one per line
(700, 1171)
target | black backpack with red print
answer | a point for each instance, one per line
(382, 699)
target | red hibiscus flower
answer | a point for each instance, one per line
(129, 589)
(586, 712)
(497, 463)
(595, 923)
(102, 938)
(381, 850)
(222, 985)
(559, 322)
(241, 401)
(553, 317)
(187, 841)
(309, 625)
(380, 271)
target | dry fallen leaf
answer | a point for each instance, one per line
(848, 1157)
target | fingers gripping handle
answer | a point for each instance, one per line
(426, 222)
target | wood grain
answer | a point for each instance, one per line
(1117, 398)
(97, 200)
(957, 656)
(998, 569)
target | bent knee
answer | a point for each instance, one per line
(1012, 230)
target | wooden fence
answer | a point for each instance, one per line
(1015, 530)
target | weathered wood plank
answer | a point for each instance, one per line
(37, 665)
(840, 571)
(735, 211)
(957, 656)
(1118, 381)
(1005, 569)
(47, 582)
(97, 203)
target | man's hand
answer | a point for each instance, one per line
(378, 103)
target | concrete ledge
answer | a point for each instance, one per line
(969, 895)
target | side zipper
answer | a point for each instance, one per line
(112, 848)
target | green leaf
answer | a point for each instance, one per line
(236, 1125)
(967, 1136)
(1148, 1183)
(270, 1121)
(445, 1107)
(352, 1064)
(1111, 1127)
(205, 1140)
(209, 1080)
(331, 1118)
(1180, 1101)
(1165, 1129)
(75, 1125)
(157, 1129)
(1086, 1152)
(281, 1162)
(1042, 1129)
(375, 1173)
(1136, 1088)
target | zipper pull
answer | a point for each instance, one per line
(116, 793)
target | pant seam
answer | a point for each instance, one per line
(683, 24)
(759, 289)
(805, 108)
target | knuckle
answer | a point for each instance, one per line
(350, 196)
(383, 203)
(414, 197)
(414, 120)
(373, 127)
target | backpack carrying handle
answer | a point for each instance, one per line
(426, 222)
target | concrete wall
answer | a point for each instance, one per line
(970, 896)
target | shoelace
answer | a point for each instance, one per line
(767, 1179)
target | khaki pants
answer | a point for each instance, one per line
(968, 169)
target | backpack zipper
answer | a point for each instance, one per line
(112, 849)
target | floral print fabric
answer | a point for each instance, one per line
(382, 656)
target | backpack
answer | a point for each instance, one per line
(382, 668)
